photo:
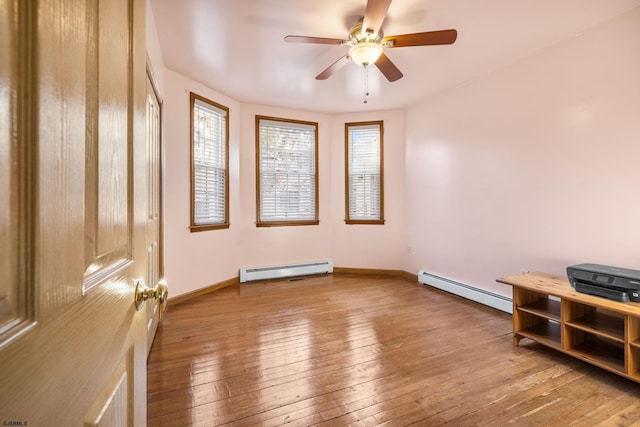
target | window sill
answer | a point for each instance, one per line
(285, 223)
(364, 221)
(206, 227)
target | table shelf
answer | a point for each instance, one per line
(601, 324)
(547, 308)
(598, 331)
(545, 333)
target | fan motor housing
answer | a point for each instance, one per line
(356, 35)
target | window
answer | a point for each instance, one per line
(209, 164)
(286, 177)
(364, 173)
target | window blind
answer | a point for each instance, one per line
(209, 163)
(287, 171)
(364, 178)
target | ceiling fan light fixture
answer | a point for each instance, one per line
(365, 53)
(367, 41)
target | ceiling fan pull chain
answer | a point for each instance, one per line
(366, 84)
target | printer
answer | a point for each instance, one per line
(618, 284)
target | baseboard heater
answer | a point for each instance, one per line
(497, 301)
(284, 271)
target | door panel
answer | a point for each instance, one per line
(154, 173)
(111, 408)
(16, 308)
(108, 194)
(72, 76)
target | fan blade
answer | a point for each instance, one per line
(333, 68)
(422, 39)
(388, 68)
(374, 14)
(316, 40)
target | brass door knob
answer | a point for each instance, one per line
(143, 293)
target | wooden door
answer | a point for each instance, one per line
(155, 268)
(72, 222)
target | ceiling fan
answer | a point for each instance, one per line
(366, 42)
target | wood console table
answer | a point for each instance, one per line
(599, 331)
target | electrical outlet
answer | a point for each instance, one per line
(524, 271)
(409, 249)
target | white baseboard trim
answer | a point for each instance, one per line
(482, 296)
(284, 271)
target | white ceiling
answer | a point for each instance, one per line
(236, 46)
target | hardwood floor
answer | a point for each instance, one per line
(359, 350)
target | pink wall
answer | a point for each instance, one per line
(370, 246)
(197, 260)
(534, 167)
(266, 246)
